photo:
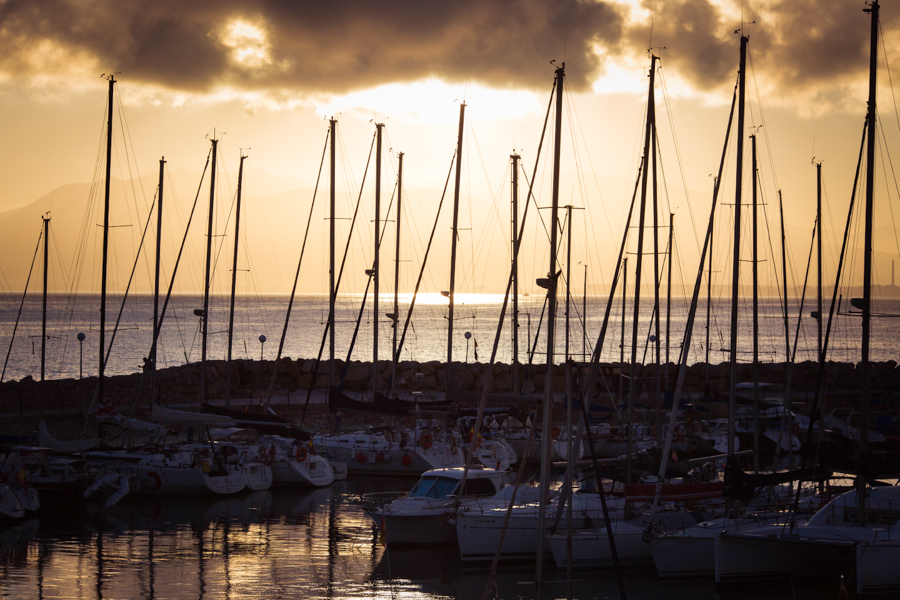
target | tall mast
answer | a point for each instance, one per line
(669, 292)
(819, 250)
(755, 315)
(570, 463)
(454, 234)
(375, 265)
(204, 320)
(234, 268)
(44, 309)
(657, 341)
(622, 345)
(515, 290)
(331, 240)
(736, 261)
(396, 316)
(867, 267)
(584, 317)
(551, 322)
(159, 213)
(784, 277)
(102, 344)
(709, 281)
(568, 271)
(649, 134)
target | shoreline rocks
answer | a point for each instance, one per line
(251, 378)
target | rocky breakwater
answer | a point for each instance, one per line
(180, 386)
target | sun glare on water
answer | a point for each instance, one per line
(435, 298)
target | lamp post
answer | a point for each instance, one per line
(262, 341)
(80, 355)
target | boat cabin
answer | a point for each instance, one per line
(439, 484)
(882, 511)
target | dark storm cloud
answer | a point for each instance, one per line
(315, 45)
(798, 45)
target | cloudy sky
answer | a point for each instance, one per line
(270, 72)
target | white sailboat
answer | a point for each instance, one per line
(293, 463)
(825, 546)
(386, 451)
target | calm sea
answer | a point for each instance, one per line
(426, 338)
(275, 544)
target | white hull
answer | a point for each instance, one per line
(9, 504)
(406, 462)
(259, 476)
(416, 529)
(692, 552)
(186, 481)
(684, 556)
(27, 497)
(748, 558)
(479, 532)
(876, 568)
(314, 470)
(591, 548)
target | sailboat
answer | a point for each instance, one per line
(405, 451)
(855, 534)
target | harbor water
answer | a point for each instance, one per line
(277, 544)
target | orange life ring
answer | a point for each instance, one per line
(795, 430)
(300, 453)
(154, 476)
(554, 432)
(427, 441)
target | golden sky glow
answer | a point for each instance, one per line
(267, 78)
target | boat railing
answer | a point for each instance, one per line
(377, 500)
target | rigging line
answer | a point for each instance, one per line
(485, 240)
(574, 120)
(361, 238)
(268, 230)
(172, 226)
(671, 121)
(762, 117)
(590, 382)
(467, 278)
(127, 289)
(363, 303)
(126, 141)
(837, 281)
(162, 315)
(774, 337)
(827, 206)
(5, 280)
(774, 272)
(412, 302)
(574, 123)
(337, 283)
(65, 326)
(890, 78)
(883, 146)
(16, 326)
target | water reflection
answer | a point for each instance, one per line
(280, 544)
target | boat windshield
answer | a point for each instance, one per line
(433, 487)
